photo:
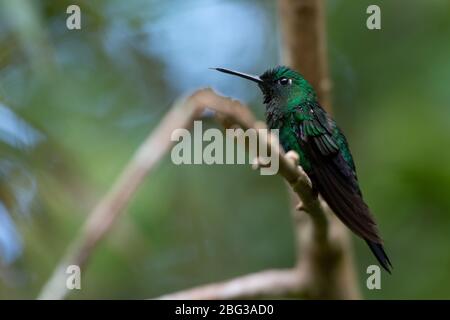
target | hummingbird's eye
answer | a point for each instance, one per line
(285, 81)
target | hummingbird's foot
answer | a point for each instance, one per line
(293, 156)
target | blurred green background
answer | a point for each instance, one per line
(74, 105)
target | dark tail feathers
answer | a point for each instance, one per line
(380, 254)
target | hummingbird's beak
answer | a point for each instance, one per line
(240, 74)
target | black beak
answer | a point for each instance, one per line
(240, 74)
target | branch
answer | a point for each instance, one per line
(303, 29)
(304, 40)
(108, 210)
(264, 284)
(321, 270)
(226, 111)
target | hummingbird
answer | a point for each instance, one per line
(304, 126)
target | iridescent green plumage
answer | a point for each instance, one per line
(292, 107)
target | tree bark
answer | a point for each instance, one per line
(303, 29)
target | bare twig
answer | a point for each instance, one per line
(264, 284)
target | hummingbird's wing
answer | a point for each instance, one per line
(333, 173)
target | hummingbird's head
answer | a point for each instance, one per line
(280, 85)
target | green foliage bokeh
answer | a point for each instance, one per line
(94, 94)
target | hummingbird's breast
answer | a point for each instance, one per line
(289, 135)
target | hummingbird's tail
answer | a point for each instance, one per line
(380, 254)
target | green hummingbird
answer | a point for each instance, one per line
(304, 126)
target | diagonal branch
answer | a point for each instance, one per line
(321, 270)
(264, 284)
(229, 113)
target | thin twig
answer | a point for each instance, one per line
(264, 284)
